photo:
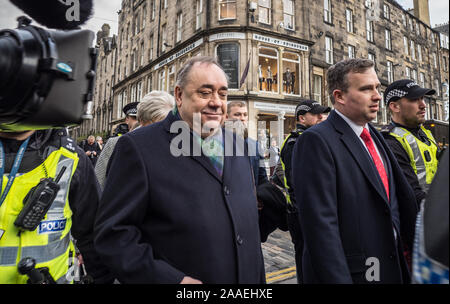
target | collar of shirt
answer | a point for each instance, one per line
(356, 128)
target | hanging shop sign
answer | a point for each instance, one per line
(274, 107)
(228, 35)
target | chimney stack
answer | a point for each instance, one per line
(422, 11)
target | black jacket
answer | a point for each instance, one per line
(174, 216)
(84, 192)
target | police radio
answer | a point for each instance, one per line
(37, 202)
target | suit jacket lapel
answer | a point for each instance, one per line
(357, 150)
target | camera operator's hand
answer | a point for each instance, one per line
(95, 153)
(189, 280)
(88, 153)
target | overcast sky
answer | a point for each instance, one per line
(105, 11)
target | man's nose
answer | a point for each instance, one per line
(422, 103)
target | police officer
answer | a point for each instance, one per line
(25, 159)
(414, 146)
(131, 122)
(308, 113)
(130, 111)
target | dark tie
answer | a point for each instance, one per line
(365, 135)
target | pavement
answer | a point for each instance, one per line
(279, 260)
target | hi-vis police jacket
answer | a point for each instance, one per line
(50, 243)
(423, 157)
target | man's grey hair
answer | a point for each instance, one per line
(183, 73)
(154, 107)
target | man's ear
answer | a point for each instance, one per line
(338, 96)
(178, 96)
(394, 106)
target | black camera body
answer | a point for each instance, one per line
(47, 77)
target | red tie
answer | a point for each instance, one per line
(365, 135)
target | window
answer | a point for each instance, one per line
(422, 79)
(404, 20)
(199, 11)
(327, 11)
(317, 88)
(371, 56)
(417, 28)
(165, 4)
(437, 87)
(162, 80)
(369, 30)
(179, 26)
(411, 26)
(368, 3)
(386, 11)
(349, 20)
(444, 61)
(171, 88)
(390, 71)
(144, 15)
(414, 75)
(329, 50)
(227, 9)
(413, 50)
(388, 42)
(405, 44)
(228, 57)
(408, 72)
(268, 69)
(139, 91)
(419, 53)
(125, 68)
(136, 24)
(288, 14)
(164, 38)
(149, 83)
(119, 70)
(153, 8)
(434, 60)
(150, 49)
(351, 51)
(133, 93)
(291, 73)
(141, 61)
(264, 11)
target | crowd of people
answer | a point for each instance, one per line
(181, 194)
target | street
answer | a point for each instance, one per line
(279, 259)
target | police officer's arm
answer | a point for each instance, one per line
(286, 156)
(84, 197)
(122, 216)
(405, 165)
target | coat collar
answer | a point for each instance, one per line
(357, 150)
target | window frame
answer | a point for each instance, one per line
(329, 53)
(227, 2)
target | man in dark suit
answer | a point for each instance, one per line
(237, 112)
(356, 208)
(185, 215)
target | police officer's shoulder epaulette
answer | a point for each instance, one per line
(65, 141)
(385, 130)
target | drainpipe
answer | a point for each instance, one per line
(158, 48)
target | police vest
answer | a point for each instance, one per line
(49, 244)
(291, 137)
(422, 157)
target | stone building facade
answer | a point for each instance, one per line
(286, 46)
